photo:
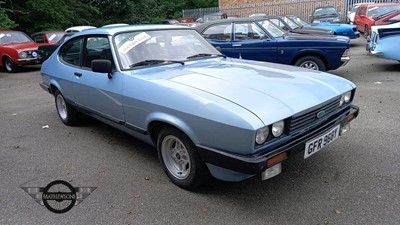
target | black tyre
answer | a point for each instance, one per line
(67, 113)
(311, 62)
(10, 66)
(180, 160)
(366, 32)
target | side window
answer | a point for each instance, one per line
(248, 31)
(96, 48)
(279, 23)
(219, 32)
(71, 52)
(39, 38)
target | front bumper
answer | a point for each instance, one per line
(345, 60)
(255, 164)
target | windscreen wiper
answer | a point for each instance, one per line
(202, 55)
(154, 62)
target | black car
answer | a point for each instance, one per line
(325, 14)
(45, 51)
(287, 24)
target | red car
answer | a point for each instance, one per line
(365, 14)
(49, 37)
(17, 49)
(388, 18)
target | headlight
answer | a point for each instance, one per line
(316, 21)
(345, 98)
(22, 55)
(278, 128)
(262, 135)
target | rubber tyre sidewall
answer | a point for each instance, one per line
(315, 59)
(13, 67)
(199, 172)
(72, 115)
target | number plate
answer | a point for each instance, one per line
(318, 143)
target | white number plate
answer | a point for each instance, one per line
(318, 143)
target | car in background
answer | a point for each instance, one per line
(204, 112)
(188, 21)
(45, 51)
(17, 49)
(352, 11)
(366, 13)
(325, 14)
(383, 40)
(78, 29)
(348, 30)
(48, 37)
(168, 21)
(212, 17)
(286, 24)
(387, 18)
(260, 39)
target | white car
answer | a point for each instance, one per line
(78, 29)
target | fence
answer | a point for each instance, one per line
(301, 8)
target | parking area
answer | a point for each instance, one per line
(354, 180)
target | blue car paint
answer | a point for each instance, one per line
(348, 30)
(286, 49)
(382, 40)
(230, 97)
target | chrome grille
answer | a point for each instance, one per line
(305, 120)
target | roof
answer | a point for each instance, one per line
(202, 26)
(117, 29)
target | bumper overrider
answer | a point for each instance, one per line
(259, 163)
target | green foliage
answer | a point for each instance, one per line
(41, 15)
(5, 22)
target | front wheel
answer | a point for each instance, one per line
(11, 67)
(180, 160)
(67, 113)
(311, 62)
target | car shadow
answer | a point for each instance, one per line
(23, 69)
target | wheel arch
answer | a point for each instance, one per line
(316, 54)
(157, 121)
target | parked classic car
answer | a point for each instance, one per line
(48, 37)
(260, 39)
(17, 49)
(78, 29)
(205, 113)
(352, 11)
(382, 41)
(325, 14)
(348, 30)
(287, 24)
(366, 13)
(387, 18)
(45, 51)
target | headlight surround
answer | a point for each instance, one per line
(262, 135)
(278, 128)
(345, 98)
(23, 55)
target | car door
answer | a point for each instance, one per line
(96, 92)
(251, 42)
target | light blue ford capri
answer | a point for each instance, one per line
(205, 113)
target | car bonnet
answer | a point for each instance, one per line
(270, 91)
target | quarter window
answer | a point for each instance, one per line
(71, 52)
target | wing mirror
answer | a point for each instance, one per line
(102, 66)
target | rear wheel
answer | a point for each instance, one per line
(180, 160)
(311, 62)
(10, 66)
(67, 113)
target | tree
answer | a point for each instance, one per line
(5, 22)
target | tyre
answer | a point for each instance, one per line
(180, 160)
(311, 62)
(10, 66)
(366, 32)
(67, 113)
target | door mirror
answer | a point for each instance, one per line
(102, 66)
(218, 48)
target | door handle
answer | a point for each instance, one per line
(78, 74)
(237, 45)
